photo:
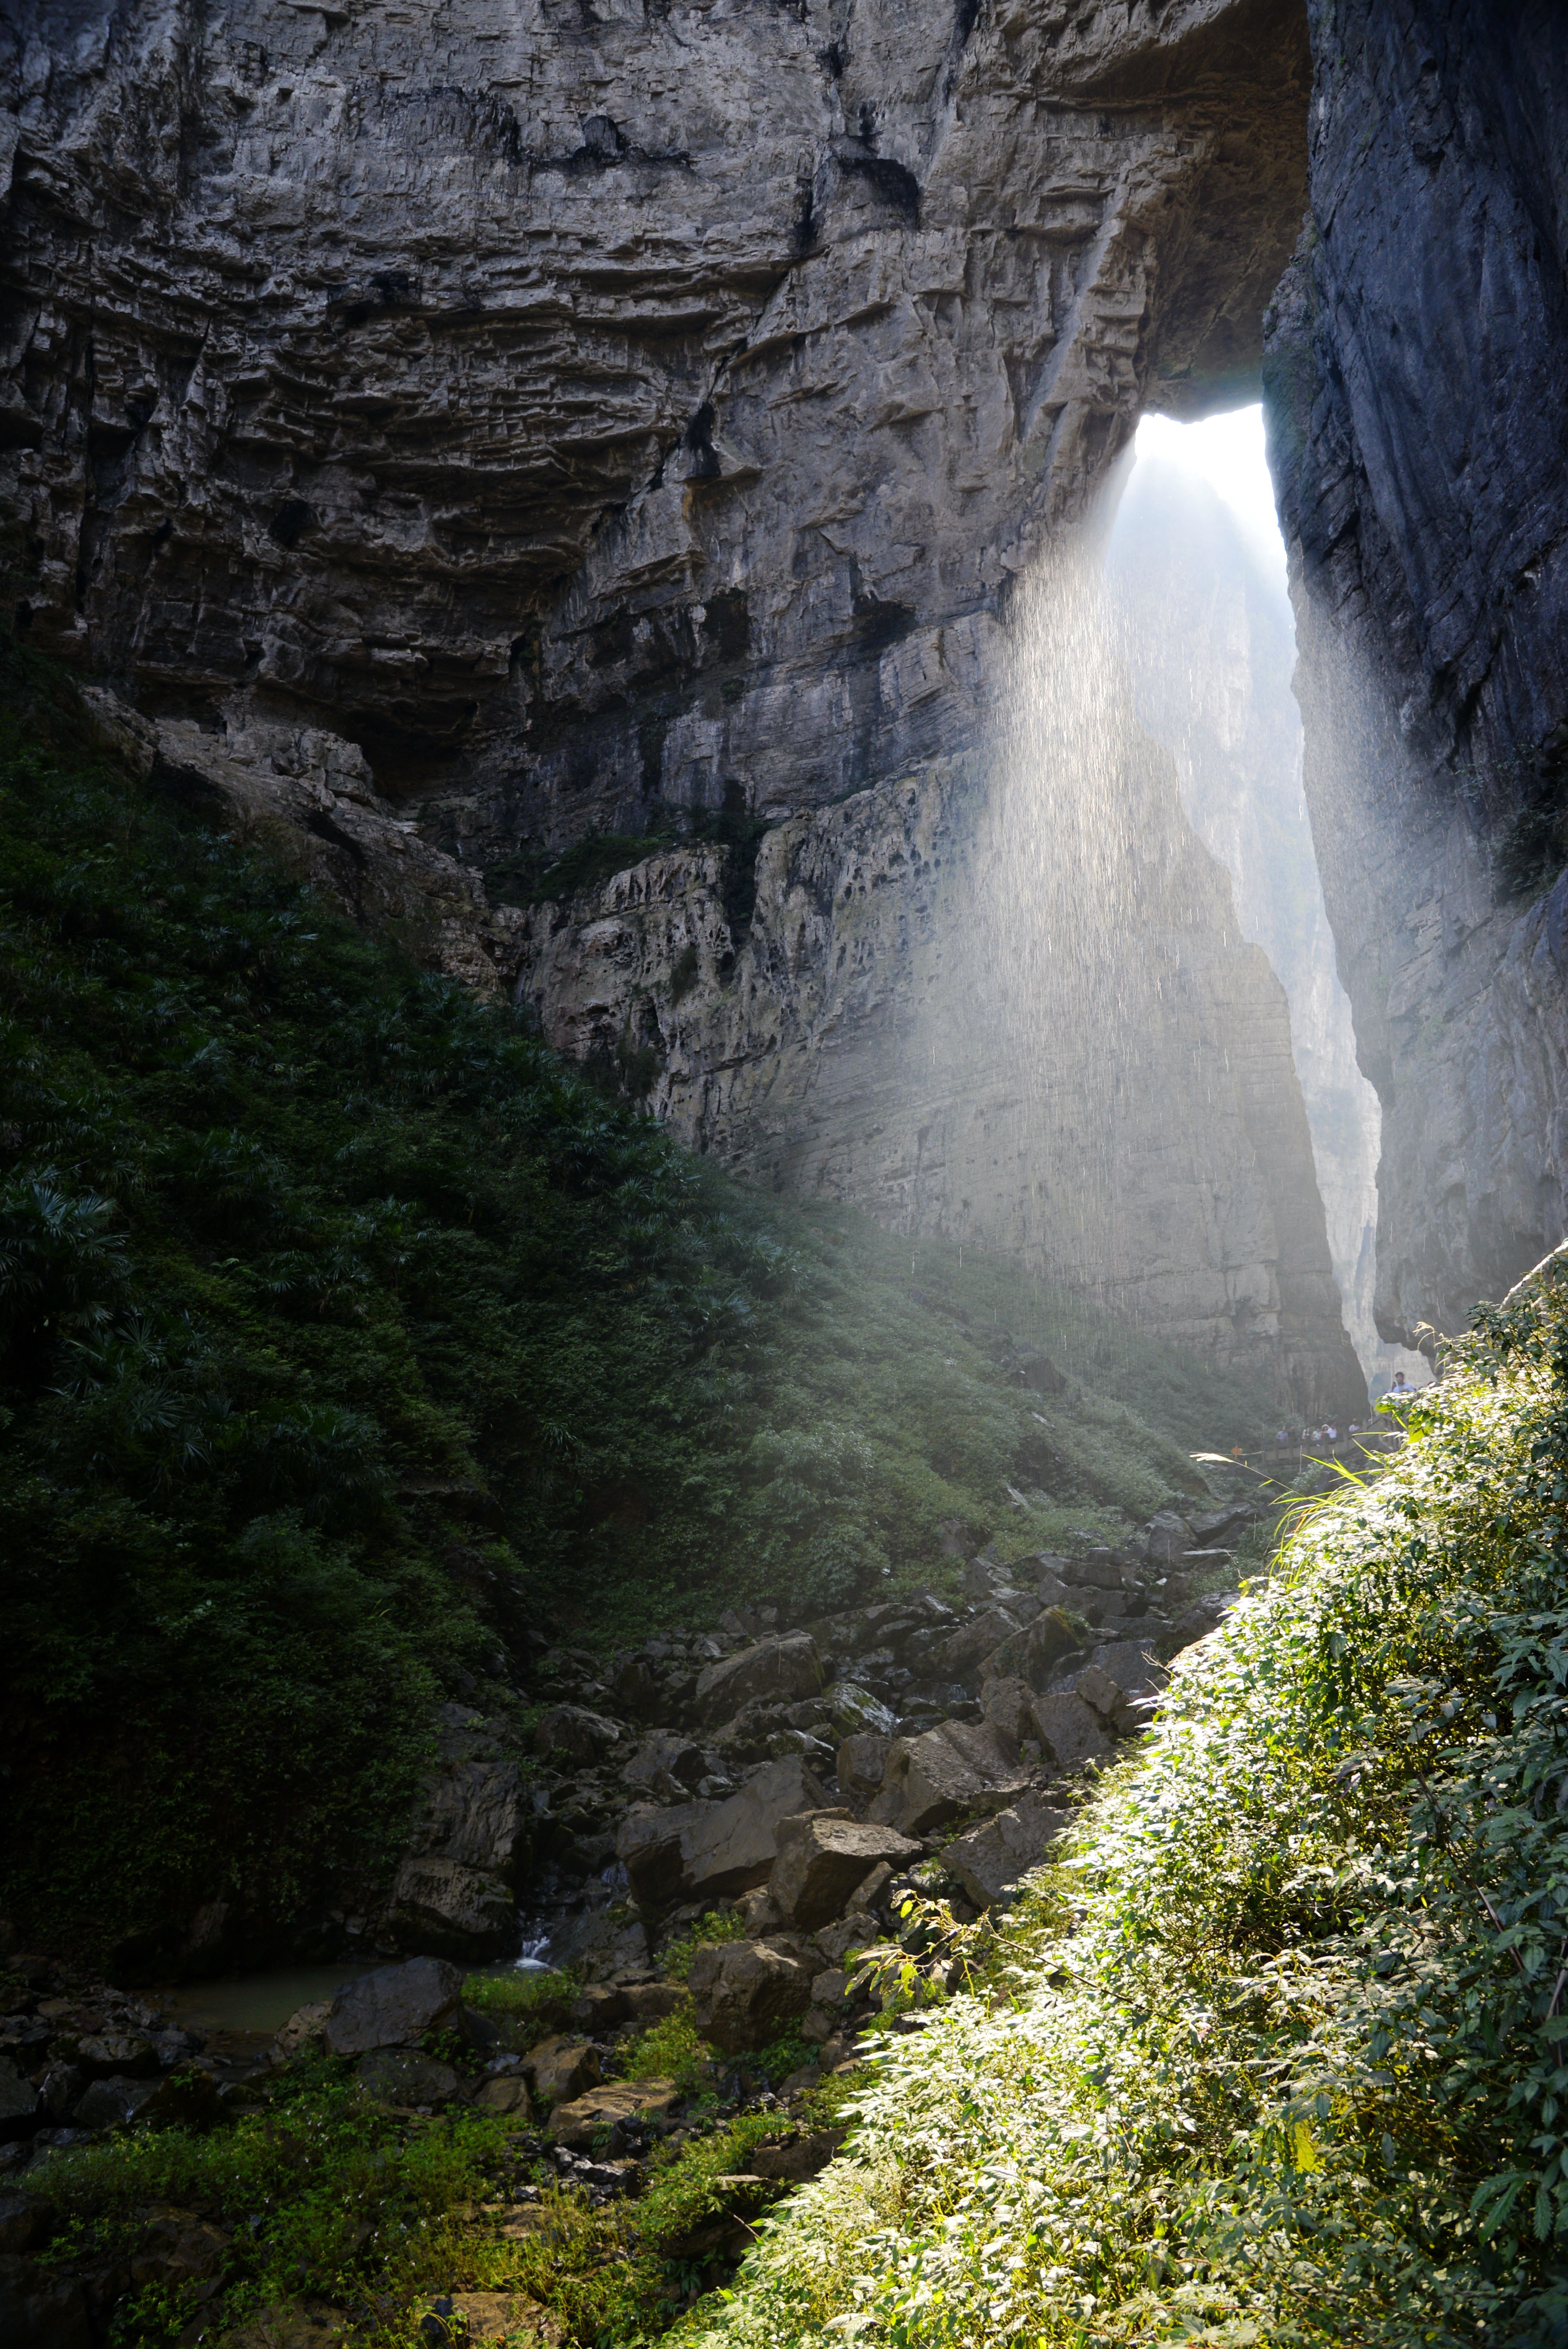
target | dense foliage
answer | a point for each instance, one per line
(1277, 2056)
(346, 1338)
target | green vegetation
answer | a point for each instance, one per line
(331, 2198)
(526, 2005)
(362, 2215)
(1276, 2055)
(718, 1925)
(344, 1336)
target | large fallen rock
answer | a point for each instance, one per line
(744, 1990)
(573, 1730)
(1069, 1729)
(709, 1851)
(854, 1712)
(454, 1892)
(861, 1762)
(467, 1912)
(577, 2125)
(781, 1668)
(991, 1858)
(962, 1650)
(1167, 1537)
(668, 1761)
(823, 1857)
(561, 2069)
(1033, 1654)
(394, 2007)
(956, 1766)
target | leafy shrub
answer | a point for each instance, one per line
(669, 2050)
(529, 2005)
(718, 1925)
(1277, 2053)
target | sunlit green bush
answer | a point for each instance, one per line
(1277, 2055)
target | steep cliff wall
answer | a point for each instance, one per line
(1418, 390)
(617, 414)
(1211, 649)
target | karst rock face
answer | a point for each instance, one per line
(1417, 382)
(624, 418)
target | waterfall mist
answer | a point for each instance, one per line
(1195, 573)
(1112, 1055)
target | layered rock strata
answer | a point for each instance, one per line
(1418, 396)
(616, 416)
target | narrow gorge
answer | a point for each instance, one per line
(736, 1036)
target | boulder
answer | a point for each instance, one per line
(604, 2006)
(174, 2248)
(464, 1912)
(648, 1847)
(577, 2124)
(854, 1712)
(561, 2069)
(401, 2075)
(454, 1891)
(306, 2026)
(120, 2055)
(744, 1990)
(504, 2095)
(633, 1686)
(24, 2221)
(573, 1730)
(951, 1768)
(1166, 1537)
(392, 2007)
(823, 1859)
(862, 1759)
(991, 1858)
(793, 2163)
(733, 1845)
(1033, 1653)
(781, 1668)
(18, 2101)
(962, 1650)
(668, 1763)
(1070, 1731)
(106, 2103)
(709, 1851)
(1007, 1704)
(1129, 1663)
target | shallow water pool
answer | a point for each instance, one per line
(259, 2002)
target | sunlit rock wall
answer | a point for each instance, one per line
(601, 413)
(1418, 390)
(1211, 649)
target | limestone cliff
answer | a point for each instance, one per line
(611, 415)
(1210, 645)
(1418, 387)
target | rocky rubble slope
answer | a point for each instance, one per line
(669, 1774)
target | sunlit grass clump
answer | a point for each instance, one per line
(1277, 2055)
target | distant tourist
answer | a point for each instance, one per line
(1399, 1392)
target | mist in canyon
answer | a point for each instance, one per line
(1196, 592)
